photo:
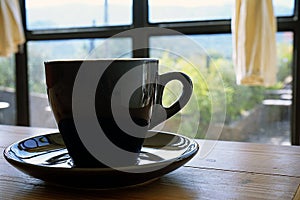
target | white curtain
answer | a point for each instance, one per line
(254, 42)
(11, 29)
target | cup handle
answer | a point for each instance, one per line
(161, 113)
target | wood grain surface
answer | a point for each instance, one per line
(231, 170)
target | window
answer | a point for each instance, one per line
(194, 10)
(7, 91)
(53, 34)
(40, 51)
(255, 114)
(76, 13)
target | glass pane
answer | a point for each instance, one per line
(253, 114)
(76, 13)
(40, 51)
(284, 7)
(7, 91)
(193, 10)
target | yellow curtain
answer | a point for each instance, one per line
(11, 29)
(254, 42)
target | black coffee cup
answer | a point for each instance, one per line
(123, 95)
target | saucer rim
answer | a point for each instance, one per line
(64, 176)
(183, 156)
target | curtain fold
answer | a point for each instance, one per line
(11, 29)
(254, 42)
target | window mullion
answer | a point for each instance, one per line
(140, 19)
(22, 90)
(295, 125)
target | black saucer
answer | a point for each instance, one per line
(45, 157)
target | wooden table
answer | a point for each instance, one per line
(232, 170)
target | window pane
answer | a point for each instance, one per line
(253, 114)
(76, 13)
(284, 7)
(7, 91)
(40, 51)
(193, 10)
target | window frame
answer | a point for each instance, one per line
(140, 19)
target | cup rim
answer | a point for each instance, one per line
(101, 59)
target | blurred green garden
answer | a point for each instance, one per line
(220, 99)
(239, 99)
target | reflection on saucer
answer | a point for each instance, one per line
(46, 157)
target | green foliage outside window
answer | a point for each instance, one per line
(239, 99)
(7, 72)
